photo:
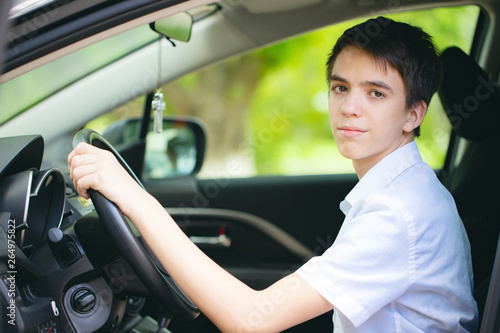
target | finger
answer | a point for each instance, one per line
(83, 147)
(84, 170)
(81, 160)
(100, 171)
(89, 175)
(82, 185)
(80, 149)
(70, 157)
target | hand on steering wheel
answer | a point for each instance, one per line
(158, 283)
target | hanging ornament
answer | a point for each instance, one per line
(158, 103)
(158, 106)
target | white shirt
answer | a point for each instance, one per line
(401, 261)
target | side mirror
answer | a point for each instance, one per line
(176, 27)
(177, 151)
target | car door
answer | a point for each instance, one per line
(274, 224)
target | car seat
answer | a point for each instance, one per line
(472, 103)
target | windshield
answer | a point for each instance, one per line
(23, 92)
(26, 90)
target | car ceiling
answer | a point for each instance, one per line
(242, 25)
(61, 23)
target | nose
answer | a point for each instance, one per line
(351, 105)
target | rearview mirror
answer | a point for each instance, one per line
(177, 151)
(176, 27)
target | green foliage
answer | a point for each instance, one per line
(293, 81)
(131, 109)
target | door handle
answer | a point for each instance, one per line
(212, 241)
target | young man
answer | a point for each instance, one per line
(401, 262)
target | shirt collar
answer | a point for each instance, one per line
(382, 174)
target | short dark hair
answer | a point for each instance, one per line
(407, 49)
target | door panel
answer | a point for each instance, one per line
(274, 224)
(305, 207)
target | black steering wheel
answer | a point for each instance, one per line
(143, 262)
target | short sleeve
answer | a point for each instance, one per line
(370, 263)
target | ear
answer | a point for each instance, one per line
(415, 116)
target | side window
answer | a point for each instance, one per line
(266, 112)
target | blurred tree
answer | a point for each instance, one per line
(221, 96)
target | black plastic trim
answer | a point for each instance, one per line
(93, 21)
(20, 153)
(266, 227)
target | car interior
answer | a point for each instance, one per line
(482, 225)
(75, 265)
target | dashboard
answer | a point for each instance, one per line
(34, 200)
(48, 283)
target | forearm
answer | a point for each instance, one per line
(227, 302)
(220, 296)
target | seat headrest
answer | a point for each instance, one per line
(469, 96)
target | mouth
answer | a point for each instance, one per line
(351, 132)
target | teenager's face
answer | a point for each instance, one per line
(368, 113)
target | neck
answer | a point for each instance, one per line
(362, 166)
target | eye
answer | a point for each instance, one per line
(339, 88)
(377, 94)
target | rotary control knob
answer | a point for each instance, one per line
(83, 300)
